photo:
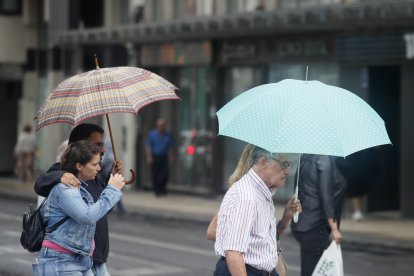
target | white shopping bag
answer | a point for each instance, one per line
(330, 264)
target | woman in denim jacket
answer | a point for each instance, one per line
(68, 249)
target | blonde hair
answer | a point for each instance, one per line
(244, 164)
(251, 154)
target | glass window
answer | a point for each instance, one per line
(195, 135)
(220, 7)
(237, 80)
(253, 5)
(11, 7)
(233, 6)
(322, 71)
(179, 9)
(204, 7)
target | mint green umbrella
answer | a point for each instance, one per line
(295, 116)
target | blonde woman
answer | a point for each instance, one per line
(248, 201)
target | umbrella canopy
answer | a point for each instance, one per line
(103, 91)
(294, 116)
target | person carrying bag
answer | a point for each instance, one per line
(330, 264)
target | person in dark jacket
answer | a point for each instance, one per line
(321, 192)
(45, 182)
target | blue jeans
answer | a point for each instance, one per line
(52, 262)
(223, 270)
(312, 244)
(99, 269)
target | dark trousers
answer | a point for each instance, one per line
(160, 174)
(312, 244)
(223, 270)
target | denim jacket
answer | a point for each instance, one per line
(76, 233)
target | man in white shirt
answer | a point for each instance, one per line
(246, 229)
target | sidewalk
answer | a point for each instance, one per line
(378, 232)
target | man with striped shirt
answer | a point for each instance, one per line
(246, 229)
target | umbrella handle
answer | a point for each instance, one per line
(133, 177)
(296, 214)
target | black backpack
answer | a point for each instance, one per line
(34, 229)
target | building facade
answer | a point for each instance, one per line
(21, 66)
(214, 50)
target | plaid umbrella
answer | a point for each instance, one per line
(103, 91)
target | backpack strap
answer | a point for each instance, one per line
(56, 225)
(41, 204)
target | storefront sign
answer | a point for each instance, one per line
(191, 53)
(232, 52)
(302, 48)
(271, 50)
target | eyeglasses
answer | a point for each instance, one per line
(283, 164)
(100, 144)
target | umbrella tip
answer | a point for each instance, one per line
(96, 62)
(307, 70)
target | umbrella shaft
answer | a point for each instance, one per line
(110, 134)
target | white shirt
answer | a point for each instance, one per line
(26, 143)
(247, 223)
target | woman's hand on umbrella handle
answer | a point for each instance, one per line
(117, 168)
(117, 180)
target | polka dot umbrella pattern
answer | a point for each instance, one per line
(294, 116)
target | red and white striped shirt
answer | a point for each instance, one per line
(247, 222)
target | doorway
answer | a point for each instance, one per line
(11, 92)
(384, 97)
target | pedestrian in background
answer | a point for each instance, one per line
(321, 192)
(68, 249)
(360, 170)
(246, 225)
(159, 154)
(55, 175)
(24, 153)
